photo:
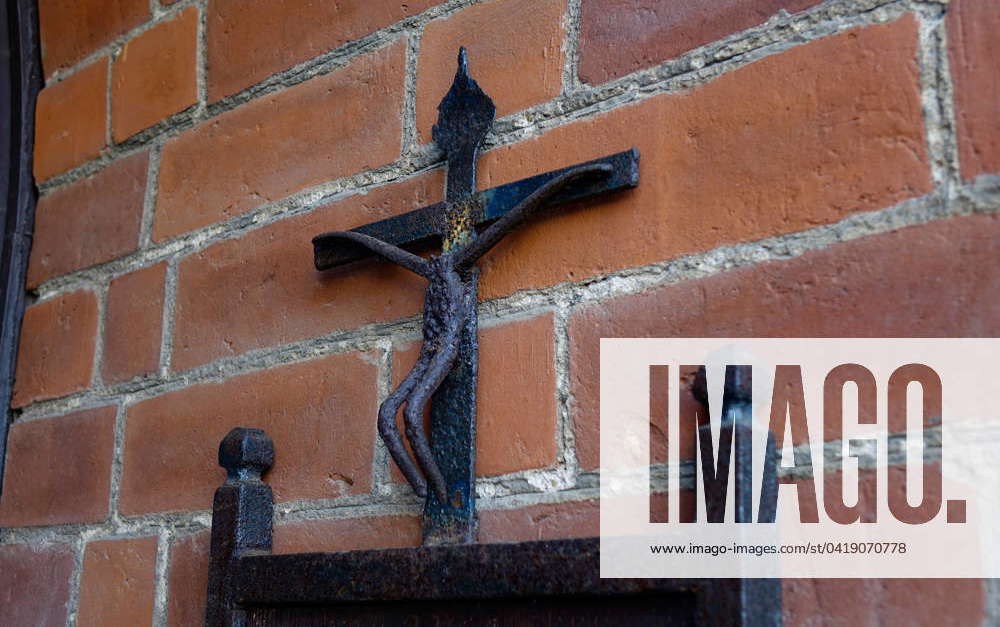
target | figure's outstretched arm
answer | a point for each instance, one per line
(513, 218)
(395, 254)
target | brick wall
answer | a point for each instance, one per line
(809, 168)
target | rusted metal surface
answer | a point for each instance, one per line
(468, 225)
(504, 575)
(241, 518)
(550, 582)
(544, 568)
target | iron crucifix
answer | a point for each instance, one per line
(468, 224)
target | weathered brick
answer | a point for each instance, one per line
(38, 491)
(90, 221)
(618, 37)
(133, 324)
(118, 582)
(72, 29)
(71, 120)
(848, 137)
(935, 280)
(187, 580)
(917, 602)
(325, 128)
(155, 75)
(34, 583)
(578, 519)
(347, 534)
(249, 41)
(251, 309)
(516, 43)
(973, 49)
(316, 412)
(56, 355)
(516, 396)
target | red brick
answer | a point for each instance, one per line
(516, 396)
(250, 308)
(849, 138)
(71, 120)
(72, 29)
(935, 280)
(917, 602)
(38, 491)
(331, 126)
(347, 534)
(34, 583)
(118, 582)
(187, 580)
(56, 356)
(974, 48)
(133, 324)
(618, 37)
(249, 41)
(549, 521)
(155, 75)
(320, 414)
(516, 43)
(90, 221)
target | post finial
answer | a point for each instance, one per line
(246, 453)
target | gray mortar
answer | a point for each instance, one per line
(73, 603)
(410, 138)
(149, 198)
(169, 315)
(96, 376)
(201, 62)
(571, 47)
(162, 567)
(992, 610)
(381, 476)
(937, 96)
(116, 465)
(564, 413)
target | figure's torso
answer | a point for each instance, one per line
(445, 303)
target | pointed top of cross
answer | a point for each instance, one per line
(465, 115)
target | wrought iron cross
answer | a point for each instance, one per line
(468, 224)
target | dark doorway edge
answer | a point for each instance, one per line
(20, 81)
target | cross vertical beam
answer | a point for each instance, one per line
(453, 440)
(465, 117)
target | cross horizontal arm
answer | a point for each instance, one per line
(425, 224)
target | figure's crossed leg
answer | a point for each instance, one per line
(387, 422)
